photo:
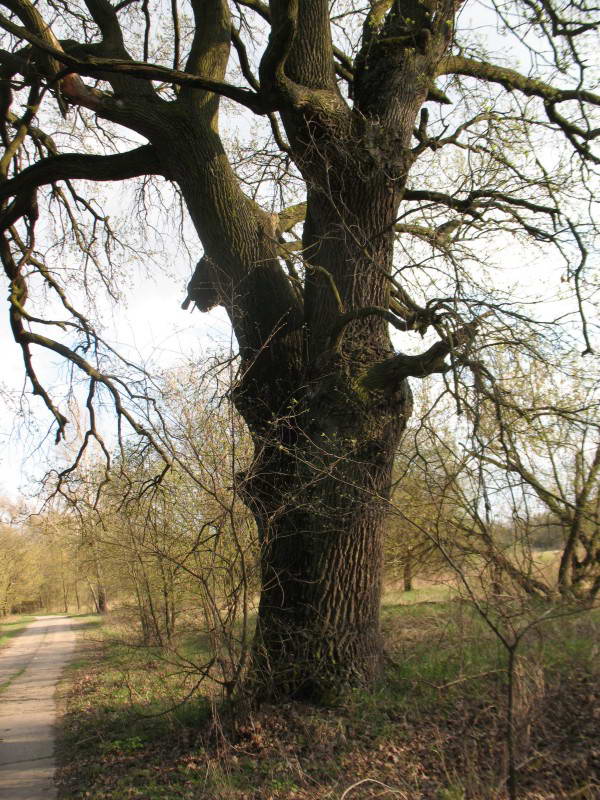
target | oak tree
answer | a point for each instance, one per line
(404, 141)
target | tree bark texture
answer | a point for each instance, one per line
(407, 574)
(318, 494)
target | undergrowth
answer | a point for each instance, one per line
(433, 729)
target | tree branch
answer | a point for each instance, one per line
(389, 374)
(291, 216)
(135, 69)
(209, 52)
(402, 43)
(242, 54)
(113, 45)
(475, 199)
(105, 17)
(141, 161)
(27, 338)
(510, 79)
(310, 62)
(272, 64)
(367, 311)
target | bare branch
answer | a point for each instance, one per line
(135, 69)
(142, 161)
(510, 79)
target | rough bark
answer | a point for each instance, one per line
(317, 488)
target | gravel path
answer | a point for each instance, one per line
(32, 663)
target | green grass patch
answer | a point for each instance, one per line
(126, 707)
(433, 728)
(85, 622)
(10, 629)
(422, 593)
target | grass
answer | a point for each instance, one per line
(13, 626)
(423, 592)
(86, 621)
(432, 730)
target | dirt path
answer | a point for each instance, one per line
(33, 664)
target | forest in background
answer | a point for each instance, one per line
(515, 507)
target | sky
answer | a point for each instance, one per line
(152, 328)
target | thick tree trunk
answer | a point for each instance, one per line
(324, 446)
(102, 602)
(407, 575)
(318, 494)
(324, 443)
(318, 629)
